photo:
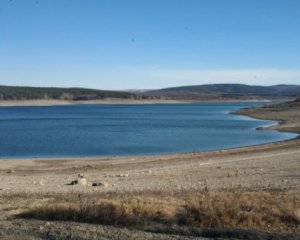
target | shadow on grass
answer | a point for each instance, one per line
(249, 213)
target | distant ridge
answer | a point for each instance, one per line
(31, 93)
(227, 91)
(198, 92)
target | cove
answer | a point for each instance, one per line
(123, 130)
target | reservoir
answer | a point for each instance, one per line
(132, 129)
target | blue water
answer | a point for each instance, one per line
(110, 130)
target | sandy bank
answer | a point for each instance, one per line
(113, 101)
(64, 102)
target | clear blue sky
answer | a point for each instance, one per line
(124, 44)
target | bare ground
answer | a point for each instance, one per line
(55, 102)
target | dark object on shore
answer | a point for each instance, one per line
(75, 182)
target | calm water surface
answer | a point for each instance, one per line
(109, 130)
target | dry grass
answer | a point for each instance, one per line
(263, 210)
(250, 210)
(119, 211)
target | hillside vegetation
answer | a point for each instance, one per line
(29, 93)
(228, 91)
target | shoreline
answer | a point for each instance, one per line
(42, 103)
(31, 174)
(168, 155)
(287, 116)
(31, 103)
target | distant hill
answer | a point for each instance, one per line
(199, 92)
(30, 93)
(227, 91)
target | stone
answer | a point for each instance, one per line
(100, 184)
(79, 181)
(123, 175)
(297, 214)
(82, 181)
(75, 182)
(90, 184)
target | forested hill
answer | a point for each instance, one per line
(29, 93)
(228, 91)
(199, 92)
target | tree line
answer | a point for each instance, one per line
(31, 93)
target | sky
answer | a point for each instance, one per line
(148, 44)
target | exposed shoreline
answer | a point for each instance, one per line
(11, 103)
(257, 112)
(286, 114)
(67, 102)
